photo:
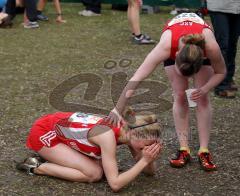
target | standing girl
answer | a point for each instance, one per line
(189, 50)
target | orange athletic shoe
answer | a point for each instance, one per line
(205, 160)
(182, 158)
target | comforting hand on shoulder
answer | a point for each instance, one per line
(115, 118)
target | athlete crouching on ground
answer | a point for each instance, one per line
(81, 147)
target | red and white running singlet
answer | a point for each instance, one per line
(69, 128)
(183, 24)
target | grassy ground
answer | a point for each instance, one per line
(34, 62)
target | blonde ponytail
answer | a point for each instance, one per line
(195, 39)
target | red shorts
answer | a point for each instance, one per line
(42, 134)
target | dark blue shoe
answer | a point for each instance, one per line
(143, 39)
(42, 17)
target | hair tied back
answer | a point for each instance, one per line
(196, 39)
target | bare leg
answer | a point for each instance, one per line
(59, 11)
(133, 16)
(204, 108)
(68, 164)
(41, 5)
(51, 169)
(180, 106)
(25, 18)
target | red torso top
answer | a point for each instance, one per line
(183, 24)
(73, 128)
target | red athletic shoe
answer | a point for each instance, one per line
(205, 160)
(182, 158)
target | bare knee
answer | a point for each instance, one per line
(204, 102)
(180, 98)
(95, 175)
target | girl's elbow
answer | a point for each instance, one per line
(115, 187)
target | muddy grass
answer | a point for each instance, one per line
(34, 62)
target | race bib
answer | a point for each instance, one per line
(84, 118)
(185, 18)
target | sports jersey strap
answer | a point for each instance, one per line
(116, 130)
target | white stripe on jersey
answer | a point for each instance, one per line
(46, 139)
(79, 134)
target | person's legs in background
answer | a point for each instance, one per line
(11, 9)
(31, 12)
(6, 18)
(225, 31)
(133, 16)
(234, 24)
(59, 18)
(133, 13)
(40, 6)
(92, 8)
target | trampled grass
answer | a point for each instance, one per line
(34, 62)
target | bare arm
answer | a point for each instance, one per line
(160, 53)
(108, 149)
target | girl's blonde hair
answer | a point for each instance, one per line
(143, 125)
(190, 58)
